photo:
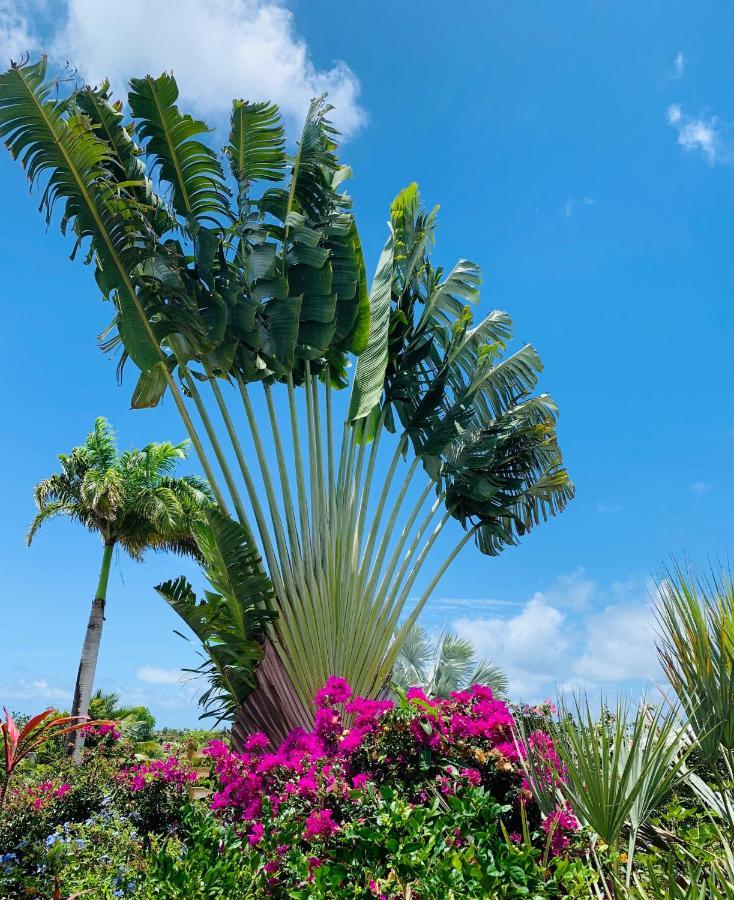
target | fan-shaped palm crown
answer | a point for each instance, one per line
(249, 269)
(131, 498)
(442, 665)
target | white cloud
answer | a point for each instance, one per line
(34, 689)
(16, 33)
(700, 488)
(619, 644)
(476, 604)
(217, 50)
(573, 635)
(155, 675)
(573, 591)
(698, 134)
(606, 509)
(529, 646)
(679, 65)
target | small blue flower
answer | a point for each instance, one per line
(51, 839)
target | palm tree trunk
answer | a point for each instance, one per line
(90, 652)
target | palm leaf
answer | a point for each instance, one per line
(188, 165)
(369, 376)
(231, 620)
(256, 149)
(48, 142)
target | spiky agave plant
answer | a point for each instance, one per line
(255, 280)
(618, 765)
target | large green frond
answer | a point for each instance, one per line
(230, 621)
(256, 149)
(186, 163)
(369, 376)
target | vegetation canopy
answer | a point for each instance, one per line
(244, 270)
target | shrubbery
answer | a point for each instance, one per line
(386, 799)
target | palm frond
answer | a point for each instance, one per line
(443, 665)
(170, 138)
(230, 621)
(256, 149)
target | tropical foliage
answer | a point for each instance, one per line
(131, 500)
(18, 743)
(414, 798)
(443, 665)
(461, 796)
(253, 275)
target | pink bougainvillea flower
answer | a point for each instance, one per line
(320, 824)
(256, 833)
(336, 690)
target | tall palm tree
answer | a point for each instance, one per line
(242, 292)
(131, 500)
(444, 664)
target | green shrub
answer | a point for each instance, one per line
(102, 855)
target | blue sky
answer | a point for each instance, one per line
(581, 152)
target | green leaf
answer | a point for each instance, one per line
(232, 620)
(256, 149)
(359, 337)
(150, 388)
(188, 165)
(279, 329)
(369, 377)
(135, 337)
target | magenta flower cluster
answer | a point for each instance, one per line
(40, 795)
(321, 776)
(166, 771)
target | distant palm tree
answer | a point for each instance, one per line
(447, 664)
(130, 499)
(136, 722)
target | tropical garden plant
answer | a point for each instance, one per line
(18, 743)
(131, 500)
(696, 649)
(251, 281)
(413, 797)
(443, 664)
(615, 768)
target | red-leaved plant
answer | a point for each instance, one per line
(19, 742)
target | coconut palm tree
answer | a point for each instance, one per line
(241, 291)
(131, 500)
(442, 665)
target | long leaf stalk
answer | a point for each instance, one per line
(297, 666)
(213, 440)
(364, 584)
(369, 618)
(350, 546)
(312, 570)
(292, 598)
(296, 546)
(301, 600)
(333, 569)
(318, 521)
